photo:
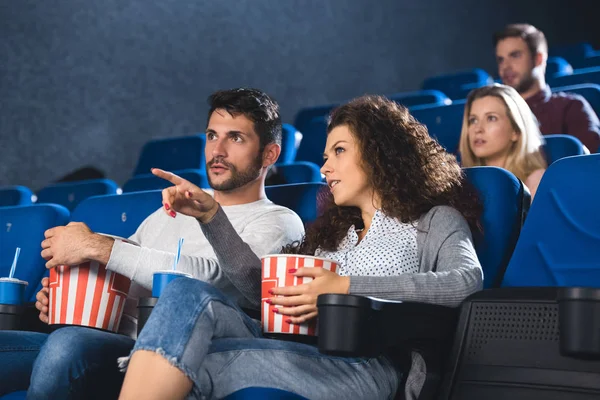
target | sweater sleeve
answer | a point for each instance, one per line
(582, 122)
(237, 254)
(456, 275)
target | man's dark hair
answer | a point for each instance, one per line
(255, 105)
(535, 39)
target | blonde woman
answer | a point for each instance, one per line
(500, 130)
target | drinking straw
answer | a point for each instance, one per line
(179, 244)
(14, 264)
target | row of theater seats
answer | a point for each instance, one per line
(507, 341)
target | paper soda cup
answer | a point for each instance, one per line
(12, 291)
(275, 274)
(88, 295)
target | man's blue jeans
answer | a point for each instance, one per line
(70, 363)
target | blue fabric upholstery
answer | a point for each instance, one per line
(288, 144)
(304, 117)
(557, 66)
(590, 91)
(420, 98)
(579, 76)
(15, 196)
(314, 137)
(451, 84)
(591, 61)
(144, 182)
(559, 242)
(299, 172)
(301, 198)
(15, 396)
(574, 53)
(505, 206)
(24, 227)
(70, 194)
(444, 123)
(561, 146)
(172, 154)
(117, 214)
(260, 393)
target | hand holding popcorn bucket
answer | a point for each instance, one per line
(275, 274)
(87, 295)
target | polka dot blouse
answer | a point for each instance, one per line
(389, 248)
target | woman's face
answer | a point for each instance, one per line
(491, 135)
(345, 177)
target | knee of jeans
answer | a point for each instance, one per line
(186, 289)
(61, 349)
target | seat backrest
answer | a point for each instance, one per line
(299, 172)
(579, 76)
(302, 198)
(306, 115)
(557, 66)
(451, 84)
(560, 239)
(591, 61)
(290, 141)
(561, 146)
(172, 154)
(314, 137)
(24, 227)
(118, 215)
(15, 196)
(590, 91)
(574, 53)
(140, 183)
(504, 208)
(507, 346)
(443, 122)
(70, 194)
(421, 98)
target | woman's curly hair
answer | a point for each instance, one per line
(407, 168)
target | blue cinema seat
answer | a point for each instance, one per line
(118, 215)
(505, 205)
(290, 141)
(574, 53)
(559, 242)
(561, 146)
(299, 172)
(70, 194)
(443, 122)
(145, 182)
(172, 154)
(301, 198)
(24, 227)
(579, 76)
(420, 98)
(557, 66)
(15, 196)
(452, 84)
(314, 137)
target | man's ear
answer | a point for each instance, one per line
(271, 154)
(539, 59)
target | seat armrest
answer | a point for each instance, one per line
(351, 325)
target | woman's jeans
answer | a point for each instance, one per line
(215, 344)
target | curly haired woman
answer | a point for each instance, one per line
(398, 222)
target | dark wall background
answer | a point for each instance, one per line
(88, 82)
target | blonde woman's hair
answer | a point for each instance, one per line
(525, 155)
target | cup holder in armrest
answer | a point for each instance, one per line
(360, 326)
(579, 322)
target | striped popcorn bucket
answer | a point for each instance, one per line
(87, 295)
(275, 274)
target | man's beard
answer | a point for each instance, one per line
(525, 84)
(238, 178)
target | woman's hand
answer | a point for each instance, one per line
(186, 198)
(300, 302)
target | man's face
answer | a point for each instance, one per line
(232, 151)
(515, 63)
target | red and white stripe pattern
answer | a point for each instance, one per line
(87, 295)
(275, 273)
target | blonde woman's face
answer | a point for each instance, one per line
(491, 135)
